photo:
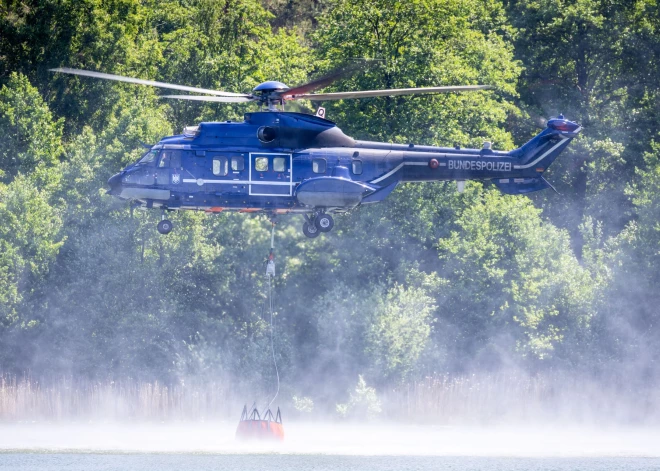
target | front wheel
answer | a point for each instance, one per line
(165, 226)
(310, 230)
(324, 222)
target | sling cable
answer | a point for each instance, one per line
(264, 426)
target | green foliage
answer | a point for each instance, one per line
(29, 240)
(422, 44)
(585, 58)
(31, 140)
(363, 403)
(646, 198)
(510, 269)
(303, 404)
(429, 281)
(399, 332)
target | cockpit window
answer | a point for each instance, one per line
(170, 158)
(148, 158)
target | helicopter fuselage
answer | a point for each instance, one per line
(280, 162)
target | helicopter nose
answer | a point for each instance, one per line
(114, 182)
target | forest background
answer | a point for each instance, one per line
(432, 304)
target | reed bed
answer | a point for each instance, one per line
(25, 399)
(500, 398)
(440, 399)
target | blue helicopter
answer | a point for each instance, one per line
(278, 162)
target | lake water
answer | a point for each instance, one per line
(275, 462)
(316, 446)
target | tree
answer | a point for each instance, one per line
(399, 333)
(512, 274)
(419, 44)
(582, 59)
(31, 138)
(30, 239)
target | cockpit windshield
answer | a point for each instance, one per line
(148, 158)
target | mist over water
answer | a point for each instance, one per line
(336, 439)
(436, 329)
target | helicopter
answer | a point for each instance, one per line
(279, 162)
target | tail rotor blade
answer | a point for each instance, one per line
(151, 83)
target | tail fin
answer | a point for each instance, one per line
(537, 155)
(542, 150)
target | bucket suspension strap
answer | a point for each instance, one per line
(270, 263)
(270, 274)
(272, 236)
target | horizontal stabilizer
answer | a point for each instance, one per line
(519, 186)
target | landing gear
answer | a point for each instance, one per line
(165, 225)
(324, 222)
(316, 223)
(310, 230)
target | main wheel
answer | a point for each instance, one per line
(324, 222)
(165, 226)
(310, 230)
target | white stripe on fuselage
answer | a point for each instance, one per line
(399, 167)
(538, 159)
(463, 156)
(237, 182)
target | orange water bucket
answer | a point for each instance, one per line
(253, 427)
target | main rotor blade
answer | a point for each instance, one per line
(220, 99)
(326, 80)
(391, 92)
(121, 78)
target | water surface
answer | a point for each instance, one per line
(111, 446)
(276, 462)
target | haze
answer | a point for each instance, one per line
(496, 324)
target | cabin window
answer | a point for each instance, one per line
(220, 166)
(279, 164)
(318, 165)
(170, 159)
(237, 163)
(261, 164)
(357, 167)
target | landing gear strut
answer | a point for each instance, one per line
(165, 225)
(317, 223)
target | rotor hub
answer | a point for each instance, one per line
(269, 93)
(270, 86)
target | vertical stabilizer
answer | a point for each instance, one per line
(539, 153)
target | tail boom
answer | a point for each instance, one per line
(514, 172)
